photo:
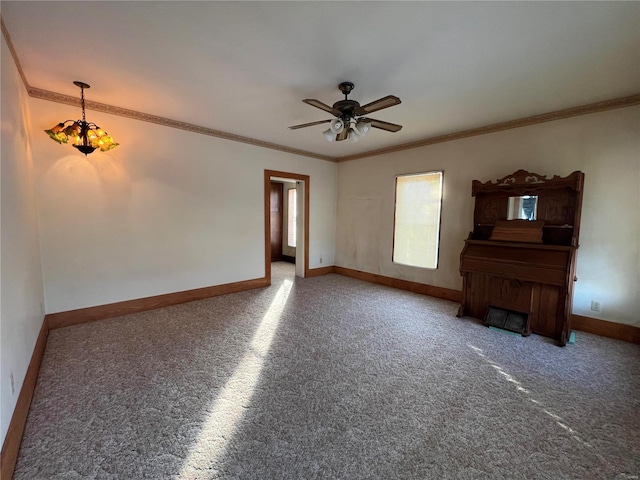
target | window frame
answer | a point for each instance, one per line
(439, 223)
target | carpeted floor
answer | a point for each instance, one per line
(328, 378)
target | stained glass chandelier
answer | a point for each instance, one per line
(85, 136)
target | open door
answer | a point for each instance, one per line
(302, 224)
(276, 214)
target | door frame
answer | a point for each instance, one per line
(267, 218)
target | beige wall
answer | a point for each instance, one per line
(21, 301)
(605, 146)
(166, 211)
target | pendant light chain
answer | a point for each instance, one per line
(84, 118)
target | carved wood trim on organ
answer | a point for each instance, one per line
(532, 278)
(559, 203)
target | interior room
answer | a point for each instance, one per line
(221, 286)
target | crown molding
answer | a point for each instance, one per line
(168, 122)
(190, 127)
(14, 55)
(146, 117)
(508, 125)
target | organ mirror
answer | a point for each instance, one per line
(523, 207)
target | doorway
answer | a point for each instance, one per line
(277, 228)
(277, 238)
(284, 220)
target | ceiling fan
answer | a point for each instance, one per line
(350, 122)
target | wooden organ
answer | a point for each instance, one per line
(521, 255)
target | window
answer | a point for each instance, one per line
(292, 219)
(416, 231)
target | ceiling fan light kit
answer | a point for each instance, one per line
(363, 127)
(336, 126)
(349, 121)
(329, 135)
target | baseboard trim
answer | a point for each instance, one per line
(101, 312)
(604, 328)
(316, 272)
(12, 441)
(422, 288)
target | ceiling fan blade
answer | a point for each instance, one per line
(295, 127)
(389, 127)
(342, 135)
(385, 102)
(322, 106)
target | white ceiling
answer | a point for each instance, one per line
(244, 67)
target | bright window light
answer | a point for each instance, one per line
(292, 221)
(416, 232)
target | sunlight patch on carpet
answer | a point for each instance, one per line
(227, 410)
(520, 388)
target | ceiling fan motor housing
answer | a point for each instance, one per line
(347, 108)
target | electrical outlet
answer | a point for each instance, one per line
(595, 306)
(13, 386)
(320, 260)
